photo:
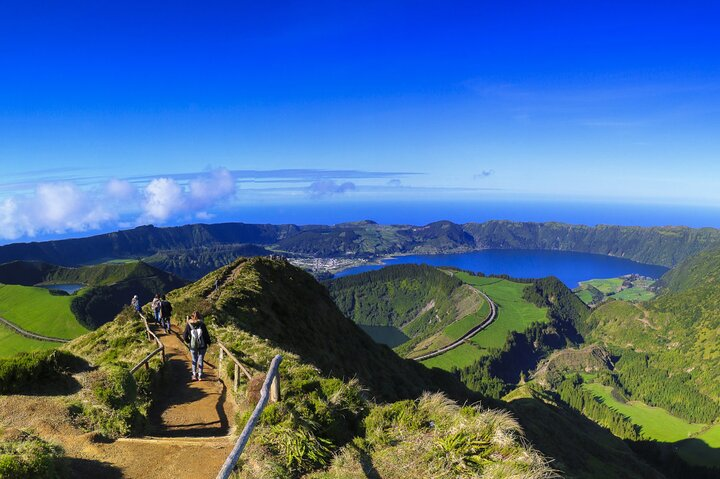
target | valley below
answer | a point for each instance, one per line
(623, 355)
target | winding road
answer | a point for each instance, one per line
(30, 335)
(488, 321)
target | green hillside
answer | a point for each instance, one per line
(581, 449)
(631, 288)
(265, 307)
(12, 343)
(109, 287)
(192, 250)
(429, 306)
(514, 314)
(38, 311)
(666, 361)
(678, 329)
(282, 303)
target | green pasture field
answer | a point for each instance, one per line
(656, 423)
(462, 356)
(585, 296)
(606, 286)
(697, 443)
(456, 330)
(514, 314)
(12, 343)
(634, 294)
(37, 311)
(705, 450)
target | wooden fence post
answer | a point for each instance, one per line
(235, 380)
(275, 389)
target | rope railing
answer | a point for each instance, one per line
(270, 391)
(152, 337)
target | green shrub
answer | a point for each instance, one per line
(118, 406)
(26, 371)
(30, 458)
(117, 389)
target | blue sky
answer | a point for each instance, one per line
(169, 112)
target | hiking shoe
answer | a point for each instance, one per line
(194, 378)
(199, 377)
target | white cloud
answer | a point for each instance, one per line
(54, 208)
(121, 190)
(216, 186)
(329, 188)
(163, 198)
(61, 207)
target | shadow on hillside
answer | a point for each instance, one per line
(583, 449)
(669, 457)
(88, 468)
(57, 383)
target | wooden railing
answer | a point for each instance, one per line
(152, 337)
(270, 391)
(224, 351)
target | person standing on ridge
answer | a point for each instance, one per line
(135, 303)
(156, 303)
(165, 313)
(197, 337)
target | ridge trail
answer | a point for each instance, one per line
(189, 433)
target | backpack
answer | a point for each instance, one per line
(166, 309)
(197, 340)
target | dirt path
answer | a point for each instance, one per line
(187, 408)
(189, 436)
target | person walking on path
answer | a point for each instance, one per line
(135, 303)
(165, 313)
(156, 303)
(197, 337)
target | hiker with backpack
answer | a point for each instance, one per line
(155, 305)
(197, 337)
(165, 313)
(135, 303)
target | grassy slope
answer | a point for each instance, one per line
(423, 302)
(635, 295)
(585, 295)
(453, 331)
(580, 448)
(606, 286)
(639, 292)
(514, 314)
(265, 307)
(12, 343)
(660, 425)
(678, 330)
(656, 422)
(36, 310)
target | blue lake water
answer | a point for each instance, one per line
(68, 288)
(569, 267)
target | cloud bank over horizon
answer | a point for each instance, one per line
(63, 206)
(60, 206)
